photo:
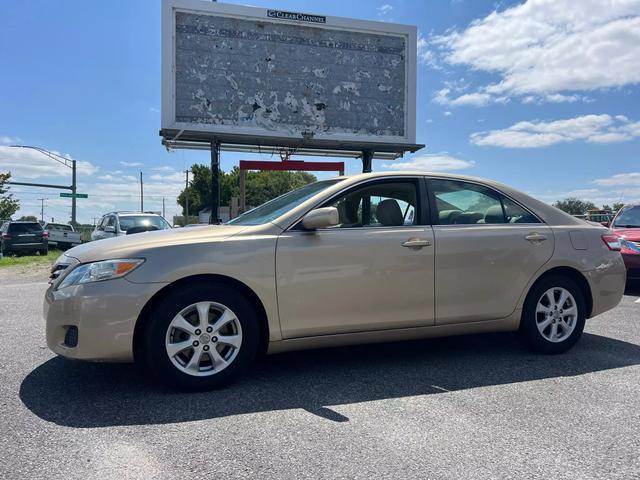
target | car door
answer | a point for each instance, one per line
(487, 249)
(373, 271)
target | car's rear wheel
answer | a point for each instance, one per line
(554, 315)
(200, 337)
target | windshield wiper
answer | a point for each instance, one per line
(626, 226)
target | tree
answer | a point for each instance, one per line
(27, 218)
(616, 207)
(260, 186)
(574, 206)
(8, 204)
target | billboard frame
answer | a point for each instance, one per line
(252, 139)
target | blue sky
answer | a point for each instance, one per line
(542, 95)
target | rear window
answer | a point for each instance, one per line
(143, 221)
(25, 228)
(629, 217)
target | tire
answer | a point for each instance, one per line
(540, 315)
(161, 333)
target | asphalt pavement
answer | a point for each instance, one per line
(467, 407)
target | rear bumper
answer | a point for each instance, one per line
(105, 314)
(24, 247)
(607, 284)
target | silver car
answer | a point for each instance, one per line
(115, 224)
(369, 258)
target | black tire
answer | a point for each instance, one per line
(529, 333)
(154, 355)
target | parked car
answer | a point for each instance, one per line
(62, 235)
(23, 237)
(114, 224)
(626, 224)
(370, 258)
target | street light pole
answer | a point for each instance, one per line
(186, 197)
(73, 192)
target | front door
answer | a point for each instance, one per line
(488, 248)
(373, 271)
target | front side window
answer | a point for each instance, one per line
(386, 204)
(462, 203)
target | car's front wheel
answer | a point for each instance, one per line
(554, 315)
(201, 336)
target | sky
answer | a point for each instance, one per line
(543, 95)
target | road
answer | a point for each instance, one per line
(467, 407)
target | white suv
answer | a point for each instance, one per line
(122, 223)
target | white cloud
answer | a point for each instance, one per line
(620, 179)
(426, 55)
(432, 162)
(475, 99)
(27, 163)
(132, 164)
(154, 110)
(589, 128)
(7, 140)
(384, 9)
(543, 47)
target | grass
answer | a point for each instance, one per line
(30, 260)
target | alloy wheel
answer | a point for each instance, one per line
(203, 339)
(556, 314)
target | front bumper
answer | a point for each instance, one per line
(632, 262)
(105, 314)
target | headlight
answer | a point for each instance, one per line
(628, 245)
(99, 271)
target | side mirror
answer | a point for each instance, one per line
(176, 226)
(110, 229)
(321, 218)
(605, 224)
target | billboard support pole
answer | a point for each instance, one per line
(214, 219)
(367, 157)
(243, 192)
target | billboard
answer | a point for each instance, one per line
(264, 73)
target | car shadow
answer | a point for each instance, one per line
(78, 394)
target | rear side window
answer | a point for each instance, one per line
(25, 228)
(462, 203)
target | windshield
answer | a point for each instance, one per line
(143, 221)
(628, 218)
(274, 208)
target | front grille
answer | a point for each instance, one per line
(71, 337)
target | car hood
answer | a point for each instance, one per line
(628, 233)
(135, 245)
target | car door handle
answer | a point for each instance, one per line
(535, 237)
(416, 243)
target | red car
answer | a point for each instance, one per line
(626, 224)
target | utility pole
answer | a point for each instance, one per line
(42, 208)
(186, 197)
(141, 194)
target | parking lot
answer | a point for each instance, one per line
(468, 407)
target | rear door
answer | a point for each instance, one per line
(487, 248)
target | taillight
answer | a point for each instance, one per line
(45, 234)
(6, 236)
(612, 242)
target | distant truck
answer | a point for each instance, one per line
(63, 236)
